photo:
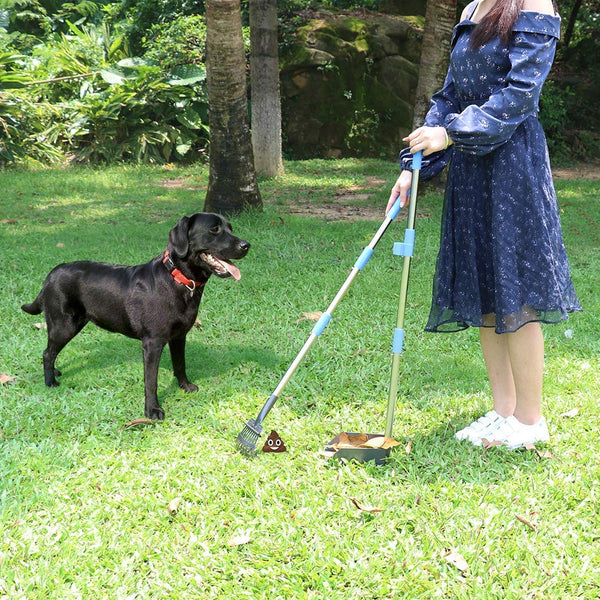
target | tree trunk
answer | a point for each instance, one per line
(232, 184)
(264, 85)
(440, 18)
(571, 23)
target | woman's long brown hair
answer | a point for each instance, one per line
(497, 23)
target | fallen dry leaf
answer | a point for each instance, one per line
(365, 508)
(311, 316)
(376, 442)
(570, 413)
(362, 440)
(8, 221)
(173, 506)
(239, 540)
(454, 558)
(382, 442)
(60, 245)
(408, 447)
(4, 378)
(352, 440)
(487, 444)
(40, 325)
(142, 421)
(527, 522)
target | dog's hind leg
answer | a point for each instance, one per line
(152, 350)
(59, 335)
(177, 347)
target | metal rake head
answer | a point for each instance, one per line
(247, 438)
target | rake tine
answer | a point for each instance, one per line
(247, 438)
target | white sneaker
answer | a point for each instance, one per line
(514, 434)
(480, 428)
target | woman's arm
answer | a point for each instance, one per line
(481, 129)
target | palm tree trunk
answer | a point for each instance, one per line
(264, 84)
(232, 182)
(440, 18)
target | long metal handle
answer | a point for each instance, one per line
(399, 331)
(326, 316)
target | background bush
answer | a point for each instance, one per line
(58, 101)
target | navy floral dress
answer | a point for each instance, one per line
(502, 262)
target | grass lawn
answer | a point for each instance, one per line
(92, 509)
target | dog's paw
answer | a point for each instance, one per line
(156, 413)
(188, 386)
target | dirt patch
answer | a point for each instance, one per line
(347, 206)
(354, 203)
(588, 171)
(339, 212)
(180, 183)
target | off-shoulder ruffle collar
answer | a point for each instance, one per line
(535, 22)
(528, 21)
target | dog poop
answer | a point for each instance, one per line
(274, 443)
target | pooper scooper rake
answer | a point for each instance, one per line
(248, 437)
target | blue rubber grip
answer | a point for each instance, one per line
(398, 343)
(363, 259)
(395, 209)
(416, 160)
(321, 324)
(407, 247)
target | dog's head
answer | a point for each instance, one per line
(205, 244)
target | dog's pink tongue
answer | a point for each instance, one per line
(232, 269)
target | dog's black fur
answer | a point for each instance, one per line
(143, 302)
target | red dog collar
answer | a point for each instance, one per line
(178, 276)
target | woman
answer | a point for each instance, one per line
(502, 265)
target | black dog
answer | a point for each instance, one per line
(156, 302)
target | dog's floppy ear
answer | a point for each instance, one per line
(178, 237)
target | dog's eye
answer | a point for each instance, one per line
(216, 229)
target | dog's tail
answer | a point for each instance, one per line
(35, 307)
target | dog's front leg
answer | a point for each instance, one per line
(177, 347)
(152, 350)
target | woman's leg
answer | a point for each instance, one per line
(495, 349)
(515, 366)
(526, 351)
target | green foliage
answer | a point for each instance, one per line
(361, 139)
(67, 45)
(181, 41)
(40, 18)
(143, 113)
(94, 105)
(553, 113)
(296, 5)
(10, 109)
(137, 17)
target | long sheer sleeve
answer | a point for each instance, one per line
(481, 129)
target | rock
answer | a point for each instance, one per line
(348, 84)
